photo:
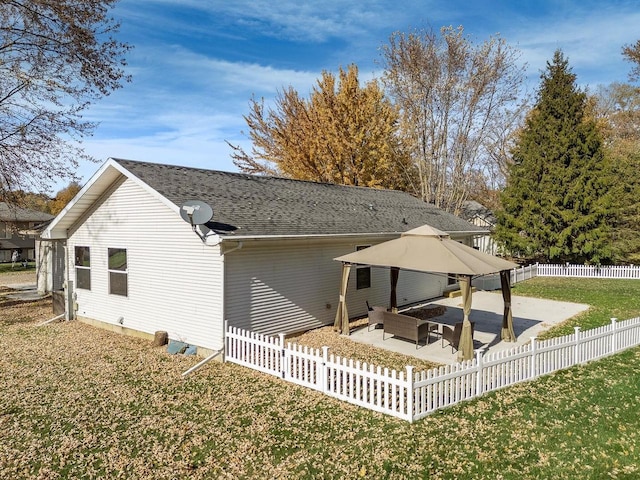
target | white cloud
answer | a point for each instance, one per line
(592, 41)
(305, 21)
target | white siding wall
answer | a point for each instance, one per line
(292, 286)
(483, 243)
(174, 280)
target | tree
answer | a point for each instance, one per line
(556, 205)
(632, 54)
(344, 134)
(56, 59)
(23, 199)
(454, 99)
(617, 109)
(63, 197)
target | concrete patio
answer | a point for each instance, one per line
(531, 316)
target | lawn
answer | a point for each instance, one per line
(79, 402)
(5, 268)
(608, 298)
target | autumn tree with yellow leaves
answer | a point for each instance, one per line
(344, 133)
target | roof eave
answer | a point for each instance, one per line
(232, 238)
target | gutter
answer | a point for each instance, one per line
(338, 235)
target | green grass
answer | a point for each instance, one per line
(607, 298)
(78, 402)
(6, 268)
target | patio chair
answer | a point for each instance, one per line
(375, 315)
(452, 335)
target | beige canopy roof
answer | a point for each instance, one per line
(427, 249)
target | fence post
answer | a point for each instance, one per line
(325, 374)
(479, 375)
(576, 346)
(614, 334)
(283, 357)
(410, 393)
(225, 338)
(533, 367)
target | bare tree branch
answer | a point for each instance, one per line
(57, 57)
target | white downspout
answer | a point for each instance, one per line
(224, 293)
(202, 362)
(237, 247)
(68, 290)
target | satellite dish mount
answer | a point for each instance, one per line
(196, 212)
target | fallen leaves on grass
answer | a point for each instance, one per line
(79, 402)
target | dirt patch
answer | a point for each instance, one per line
(14, 278)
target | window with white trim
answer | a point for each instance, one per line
(118, 274)
(83, 267)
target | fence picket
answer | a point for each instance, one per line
(582, 271)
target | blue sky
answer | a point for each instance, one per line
(196, 63)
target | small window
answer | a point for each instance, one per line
(363, 274)
(83, 268)
(118, 271)
(5, 230)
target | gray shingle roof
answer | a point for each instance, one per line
(250, 205)
(18, 214)
(471, 209)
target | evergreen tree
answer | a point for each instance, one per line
(617, 108)
(556, 205)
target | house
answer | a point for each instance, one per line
(17, 231)
(263, 262)
(480, 216)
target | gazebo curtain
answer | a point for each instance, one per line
(341, 322)
(393, 300)
(507, 334)
(465, 347)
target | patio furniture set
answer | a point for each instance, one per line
(414, 329)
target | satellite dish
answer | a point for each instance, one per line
(196, 212)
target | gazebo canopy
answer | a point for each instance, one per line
(427, 249)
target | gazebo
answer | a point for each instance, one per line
(427, 249)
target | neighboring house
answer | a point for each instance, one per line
(480, 216)
(17, 231)
(263, 262)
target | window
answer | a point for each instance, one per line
(363, 274)
(5, 230)
(118, 271)
(83, 268)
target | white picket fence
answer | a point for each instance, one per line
(588, 271)
(410, 395)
